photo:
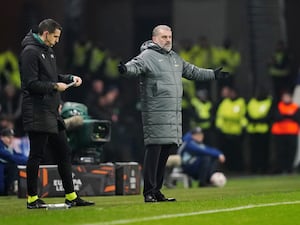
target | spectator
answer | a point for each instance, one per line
(95, 90)
(10, 102)
(9, 159)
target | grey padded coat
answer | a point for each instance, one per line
(161, 91)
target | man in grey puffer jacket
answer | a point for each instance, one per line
(160, 70)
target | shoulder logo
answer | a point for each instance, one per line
(43, 55)
(52, 56)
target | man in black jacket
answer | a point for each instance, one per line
(41, 87)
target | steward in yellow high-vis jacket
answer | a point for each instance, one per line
(259, 112)
(230, 123)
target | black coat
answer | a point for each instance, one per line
(38, 76)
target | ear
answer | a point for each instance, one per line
(45, 33)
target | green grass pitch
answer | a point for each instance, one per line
(248, 200)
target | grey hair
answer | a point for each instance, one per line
(156, 29)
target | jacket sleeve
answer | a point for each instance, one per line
(197, 149)
(192, 72)
(66, 78)
(5, 155)
(136, 66)
(30, 75)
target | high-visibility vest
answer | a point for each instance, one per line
(81, 53)
(189, 90)
(9, 68)
(286, 126)
(230, 117)
(258, 109)
(229, 59)
(97, 59)
(203, 57)
(111, 68)
(203, 110)
(276, 71)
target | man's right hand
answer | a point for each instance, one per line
(122, 68)
(60, 86)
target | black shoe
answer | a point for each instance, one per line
(37, 204)
(161, 198)
(150, 198)
(78, 202)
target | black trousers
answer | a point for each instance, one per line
(208, 165)
(61, 153)
(155, 160)
(286, 148)
(259, 151)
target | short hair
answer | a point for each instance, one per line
(48, 25)
(6, 132)
(156, 29)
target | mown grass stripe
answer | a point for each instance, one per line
(168, 216)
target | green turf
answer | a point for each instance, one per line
(132, 210)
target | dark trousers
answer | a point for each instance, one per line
(232, 146)
(61, 153)
(10, 174)
(286, 147)
(207, 167)
(259, 151)
(155, 160)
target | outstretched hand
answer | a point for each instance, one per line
(122, 68)
(219, 74)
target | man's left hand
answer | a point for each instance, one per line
(219, 74)
(77, 80)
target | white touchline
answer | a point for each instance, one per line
(167, 216)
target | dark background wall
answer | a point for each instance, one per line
(122, 25)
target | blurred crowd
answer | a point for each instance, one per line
(241, 128)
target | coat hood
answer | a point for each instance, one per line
(151, 45)
(29, 39)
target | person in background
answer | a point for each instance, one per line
(199, 160)
(259, 115)
(161, 70)
(230, 59)
(9, 159)
(285, 130)
(41, 87)
(203, 114)
(230, 124)
(10, 101)
(279, 69)
(203, 53)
